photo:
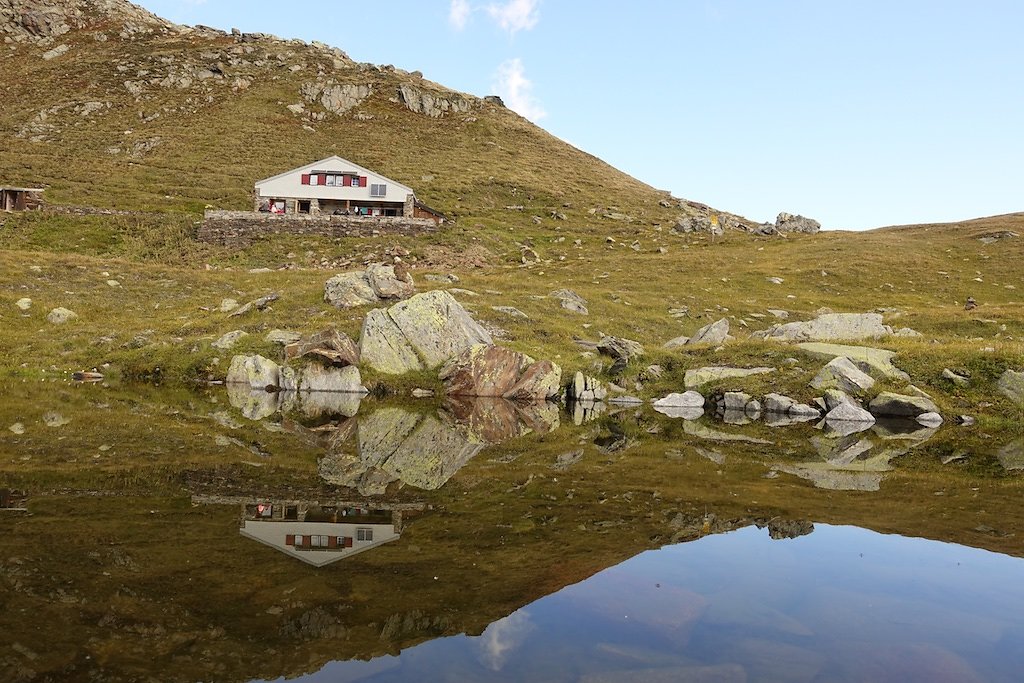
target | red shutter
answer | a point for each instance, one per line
(345, 180)
(348, 541)
(305, 179)
(362, 181)
(332, 541)
(323, 178)
(289, 539)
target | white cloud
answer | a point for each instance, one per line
(502, 638)
(458, 14)
(516, 90)
(515, 15)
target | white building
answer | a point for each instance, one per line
(336, 186)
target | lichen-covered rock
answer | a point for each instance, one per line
(61, 315)
(254, 371)
(840, 373)
(696, 377)
(379, 282)
(830, 326)
(228, 340)
(383, 346)
(421, 332)
(900, 405)
(1011, 385)
(876, 362)
(570, 300)
(484, 370)
(315, 377)
(714, 333)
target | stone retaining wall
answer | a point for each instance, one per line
(240, 228)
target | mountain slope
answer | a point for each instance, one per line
(115, 107)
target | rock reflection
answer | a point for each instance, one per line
(257, 404)
(425, 449)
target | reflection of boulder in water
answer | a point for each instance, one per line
(254, 404)
(789, 528)
(258, 404)
(585, 411)
(495, 419)
(702, 431)
(425, 449)
(826, 476)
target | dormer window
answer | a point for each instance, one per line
(355, 181)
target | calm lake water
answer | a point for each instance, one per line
(172, 535)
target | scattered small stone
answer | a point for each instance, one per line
(228, 305)
(511, 311)
(256, 304)
(17, 428)
(929, 419)
(24, 304)
(282, 337)
(956, 378)
(229, 340)
(421, 393)
(971, 304)
(966, 420)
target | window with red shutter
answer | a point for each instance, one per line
(362, 181)
(305, 179)
(323, 178)
(289, 539)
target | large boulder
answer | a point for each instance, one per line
(900, 405)
(688, 399)
(849, 412)
(1011, 385)
(830, 326)
(254, 371)
(840, 373)
(420, 333)
(787, 222)
(620, 348)
(485, 370)
(696, 377)
(316, 377)
(379, 282)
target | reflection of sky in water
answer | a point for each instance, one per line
(841, 604)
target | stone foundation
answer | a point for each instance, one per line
(240, 228)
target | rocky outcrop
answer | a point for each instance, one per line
(828, 327)
(495, 371)
(840, 373)
(696, 377)
(420, 333)
(379, 282)
(432, 103)
(337, 99)
(787, 222)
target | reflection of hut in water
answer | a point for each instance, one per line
(319, 533)
(12, 500)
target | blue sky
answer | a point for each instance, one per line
(858, 113)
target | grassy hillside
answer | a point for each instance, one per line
(158, 121)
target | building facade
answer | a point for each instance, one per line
(336, 186)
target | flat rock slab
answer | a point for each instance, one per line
(688, 399)
(699, 376)
(876, 362)
(831, 326)
(901, 405)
